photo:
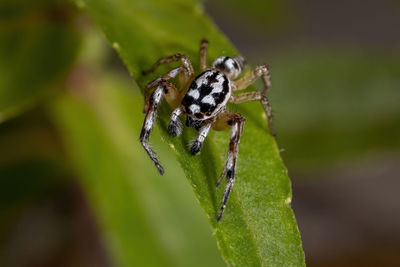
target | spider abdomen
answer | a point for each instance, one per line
(207, 95)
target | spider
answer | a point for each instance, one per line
(203, 99)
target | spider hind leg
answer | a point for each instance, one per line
(236, 121)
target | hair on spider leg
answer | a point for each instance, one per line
(195, 147)
(197, 144)
(175, 128)
(175, 124)
(192, 143)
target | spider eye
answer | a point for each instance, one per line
(230, 66)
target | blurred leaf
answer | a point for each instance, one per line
(354, 108)
(22, 181)
(30, 171)
(28, 137)
(30, 159)
(37, 46)
(24, 185)
(258, 228)
(147, 221)
(118, 204)
(266, 17)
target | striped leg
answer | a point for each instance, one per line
(254, 96)
(263, 72)
(184, 61)
(169, 75)
(175, 125)
(185, 75)
(203, 54)
(149, 120)
(237, 122)
(198, 143)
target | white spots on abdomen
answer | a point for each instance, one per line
(209, 99)
(194, 93)
(194, 108)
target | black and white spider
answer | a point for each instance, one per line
(202, 99)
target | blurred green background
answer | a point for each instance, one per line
(335, 95)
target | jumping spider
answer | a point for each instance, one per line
(203, 100)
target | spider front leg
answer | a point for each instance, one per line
(187, 73)
(163, 88)
(166, 77)
(236, 121)
(198, 143)
(177, 57)
(243, 83)
(175, 125)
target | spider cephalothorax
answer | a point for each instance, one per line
(202, 99)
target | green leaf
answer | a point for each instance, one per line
(147, 221)
(37, 46)
(258, 227)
